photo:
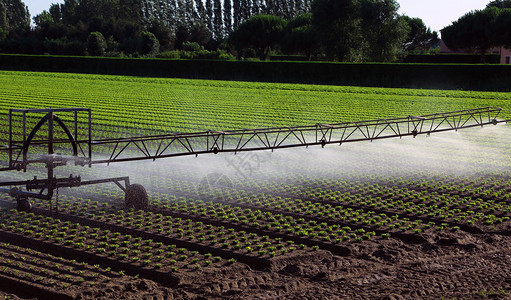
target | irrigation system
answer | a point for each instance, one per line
(76, 135)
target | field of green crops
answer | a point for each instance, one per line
(179, 105)
(337, 222)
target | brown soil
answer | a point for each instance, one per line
(449, 266)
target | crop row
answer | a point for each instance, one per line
(20, 264)
(200, 234)
(362, 209)
(132, 251)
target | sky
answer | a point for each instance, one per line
(436, 14)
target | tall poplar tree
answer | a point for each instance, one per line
(131, 10)
(383, 29)
(236, 13)
(181, 12)
(201, 12)
(256, 7)
(190, 13)
(299, 7)
(4, 25)
(209, 15)
(245, 9)
(218, 19)
(227, 16)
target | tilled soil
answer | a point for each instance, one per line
(449, 266)
(469, 268)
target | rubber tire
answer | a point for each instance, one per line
(136, 197)
(24, 204)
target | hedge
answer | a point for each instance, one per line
(436, 76)
(452, 59)
(288, 58)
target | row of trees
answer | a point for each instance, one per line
(481, 30)
(218, 16)
(346, 30)
(64, 28)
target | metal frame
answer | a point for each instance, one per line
(19, 157)
(171, 145)
(18, 149)
(182, 144)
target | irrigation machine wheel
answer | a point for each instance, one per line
(136, 197)
(23, 204)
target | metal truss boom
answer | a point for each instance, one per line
(171, 145)
(154, 147)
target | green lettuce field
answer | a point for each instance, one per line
(416, 218)
(179, 105)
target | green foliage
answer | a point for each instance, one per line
(420, 38)
(18, 16)
(499, 4)
(44, 19)
(4, 25)
(131, 10)
(227, 16)
(383, 30)
(172, 54)
(260, 32)
(148, 44)
(300, 37)
(501, 34)
(192, 46)
(96, 44)
(337, 24)
(163, 33)
(55, 13)
(360, 30)
(64, 47)
(475, 31)
(193, 50)
(3, 34)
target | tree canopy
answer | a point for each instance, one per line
(260, 32)
(300, 36)
(338, 26)
(420, 38)
(478, 31)
(96, 44)
(501, 34)
(499, 4)
(344, 30)
(16, 14)
(359, 30)
(383, 29)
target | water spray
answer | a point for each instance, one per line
(152, 147)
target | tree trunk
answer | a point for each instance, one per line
(483, 57)
(264, 53)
